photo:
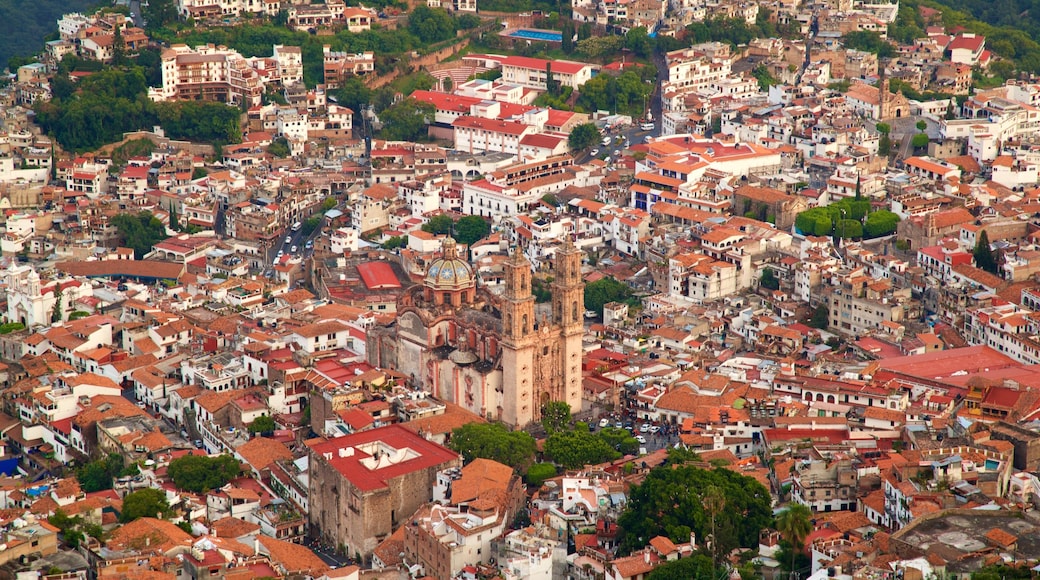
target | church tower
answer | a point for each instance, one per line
(568, 295)
(518, 342)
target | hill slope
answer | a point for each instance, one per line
(27, 22)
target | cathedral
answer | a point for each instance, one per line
(497, 356)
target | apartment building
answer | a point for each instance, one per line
(339, 66)
(531, 72)
(856, 309)
(514, 189)
(208, 73)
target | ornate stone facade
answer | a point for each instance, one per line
(498, 356)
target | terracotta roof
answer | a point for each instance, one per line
(148, 535)
(292, 558)
(261, 452)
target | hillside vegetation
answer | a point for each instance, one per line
(27, 22)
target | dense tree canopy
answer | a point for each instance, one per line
(431, 25)
(439, 224)
(603, 291)
(670, 502)
(140, 231)
(202, 473)
(113, 101)
(406, 120)
(159, 13)
(696, 566)
(577, 448)
(620, 440)
(471, 229)
(624, 94)
(583, 136)
(99, 474)
(493, 441)
(868, 41)
(848, 218)
(144, 503)
(556, 416)
(27, 23)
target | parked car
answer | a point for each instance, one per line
(604, 422)
(641, 439)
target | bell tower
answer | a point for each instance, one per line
(568, 295)
(518, 301)
(518, 342)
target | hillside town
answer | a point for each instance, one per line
(654, 290)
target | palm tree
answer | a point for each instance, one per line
(794, 524)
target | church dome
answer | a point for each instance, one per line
(449, 272)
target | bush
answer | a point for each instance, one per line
(200, 474)
(539, 472)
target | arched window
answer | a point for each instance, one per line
(524, 326)
(574, 311)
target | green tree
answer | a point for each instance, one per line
(263, 425)
(638, 41)
(695, 566)
(538, 473)
(919, 141)
(922, 125)
(98, 475)
(144, 503)
(279, 148)
(310, 224)
(883, 128)
(406, 121)
(870, 42)
(1002, 572)
(395, 242)
(200, 474)
(769, 279)
(821, 317)
(431, 25)
(884, 145)
(578, 448)
(493, 441)
(764, 78)
(603, 291)
(556, 416)
(794, 524)
(619, 440)
(140, 232)
(439, 224)
(583, 136)
(567, 34)
(880, 223)
(159, 13)
(983, 254)
(625, 93)
(59, 306)
(471, 229)
(118, 47)
(671, 502)
(467, 21)
(354, 94)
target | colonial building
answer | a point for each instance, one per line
(363, 486)
(493, 355)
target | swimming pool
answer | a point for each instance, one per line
(542, 35)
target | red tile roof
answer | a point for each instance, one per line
(428, 454)
(378, 275)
